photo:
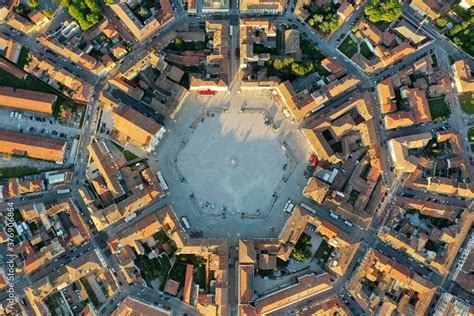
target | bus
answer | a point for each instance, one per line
(162, 181)
(185, 222)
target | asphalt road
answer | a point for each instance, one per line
(150, 296)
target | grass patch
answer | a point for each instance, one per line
(19, 172)
(126, 153)
(470, 134)
(34, 84)
(438, 108)
(365, 51)
(129, 155)
(467, 102)
(348, 47)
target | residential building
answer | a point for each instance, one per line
(430, 8)
(71, 85)
(32, 146)
(131, 126)
(399, 150)
(15, 187)
(463, 77)
(20, 23)
(253, 31)
(26, 100)
(331, 306)
(14, 71)
(262, 6)
(434, 245)
(86, 265)
(215, 6)
(466, 4)
(11, 49)
(217, 62)
(107, 166)
(307, 286)
(449, 304)
(134, 306)
(345, 11)
(76, 55)
(38, 18)
(147, 29)
(379, 279)
(349, 178)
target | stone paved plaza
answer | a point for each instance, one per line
(233, 160)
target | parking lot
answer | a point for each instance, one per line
(35, 124)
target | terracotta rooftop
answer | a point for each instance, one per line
(32, 146)
(134, 307)
(463, 77)
(307, 286)
(141, 129)
(27, 100)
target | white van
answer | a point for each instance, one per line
(333, 215)
(185, 222)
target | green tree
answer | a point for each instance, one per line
(19, 10)
(199, 46)
(32, 3)
(441, 22)
(109, 2)
(86, 12)
(301, 255)
(318, 18)
(288, 60)
(278, 64)
(334, 24)
(93, 6)
(178, 43)
(143, 12)
(383, 10)
(311, 22)
(48, 13)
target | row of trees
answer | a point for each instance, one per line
(462, 34)
(86, 12)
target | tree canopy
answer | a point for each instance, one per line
(32, 3)
(383, 10)
(301, 252)
(86, 12)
